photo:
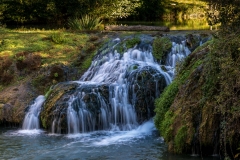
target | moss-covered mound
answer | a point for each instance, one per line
(199, 112)
(161, 46)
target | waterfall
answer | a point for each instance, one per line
(178, 52)
(88, 110)
(31, 120)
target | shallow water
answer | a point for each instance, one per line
(141, 143)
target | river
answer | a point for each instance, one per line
(142, 143)
(115, 134)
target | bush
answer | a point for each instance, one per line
(86, 22)
(58, 38)
(161, 46)
(132, 42)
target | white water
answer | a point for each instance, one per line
(178, 53)
(120, 136)
(112, 69)
(31, 120)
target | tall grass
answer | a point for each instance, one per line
(86, 22)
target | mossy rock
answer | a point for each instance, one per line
(147, 86)
(161, 47)
(127, 44)
(56, 103)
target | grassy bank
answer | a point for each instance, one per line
(23, 52)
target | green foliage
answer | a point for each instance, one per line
(150, 10)
(86, 22)
(38, 81)
(166, 126)
(87, 63)
(221, 88)
(44, 124)
(160, 47)
(211, 73)
(164, 102)
(58, 38)
(130, 43)
(226, 12)
(165, 114)
(55, 75)
(180, 139)
(5, 43)
(48, 92)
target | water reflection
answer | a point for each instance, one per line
(173, 24)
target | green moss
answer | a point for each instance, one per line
(180, 139)
(161, 46)
(120, 48)
(44, 124)
(48, 92)
(130, 43)
(87, 62)
(166, 126)
(164, 102)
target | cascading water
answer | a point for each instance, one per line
(178, 52)
(31, 120)
(126, 77)
(117, 93)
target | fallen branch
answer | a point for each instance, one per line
(136, 28)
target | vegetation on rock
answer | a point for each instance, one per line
(161, 46)
(33, 60)
(209, 109)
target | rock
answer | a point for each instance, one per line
(55, 107)
(13, 102)
(146, 85)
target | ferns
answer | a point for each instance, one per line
(86, 22)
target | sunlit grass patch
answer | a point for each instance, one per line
(54, 46)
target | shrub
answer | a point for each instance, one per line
(132, 42)
(161, 46)
(86, 22)
(58, 38)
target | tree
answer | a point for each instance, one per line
(150, 10)
(229, 13)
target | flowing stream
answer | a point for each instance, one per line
(115, 130)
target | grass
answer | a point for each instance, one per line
(33, 50)
(54, 46)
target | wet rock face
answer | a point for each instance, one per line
(118, 90)
(146, 85)
(55, 108)
(54, 112)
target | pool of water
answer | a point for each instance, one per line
(141, 143)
